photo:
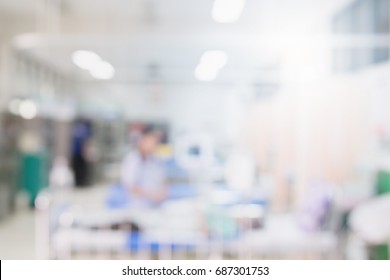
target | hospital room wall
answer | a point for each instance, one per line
(26, 77)
(191, 108)
(323, 131)
(272, 130)
(4, 73)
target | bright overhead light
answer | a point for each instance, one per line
(214, 59)
(103, 71)
(85, 59)
(210, 64)
(226, 11)
(97, 67)
(205, 74)
(28, 109)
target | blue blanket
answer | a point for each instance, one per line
(119, 196)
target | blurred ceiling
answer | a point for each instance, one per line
(160, 40)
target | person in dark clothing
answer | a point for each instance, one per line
(80, 165)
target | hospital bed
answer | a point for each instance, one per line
(209, 222)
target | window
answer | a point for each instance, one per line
(361, 17)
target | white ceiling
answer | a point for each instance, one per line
(173, 34)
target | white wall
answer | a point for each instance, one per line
(197, 107)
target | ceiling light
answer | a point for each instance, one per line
(85, 59)
(28, 109)
(214, 59)
(103, 71)
(210, 64)
(205, 74)
(97, 67)
(227, 11)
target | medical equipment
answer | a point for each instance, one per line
(194, 151)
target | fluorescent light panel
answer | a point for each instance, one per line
(103, 71)
(210, 64)
(85, 59)
(28, 109)
(92, 62)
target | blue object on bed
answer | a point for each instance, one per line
(181, 191)
(119, 197)
(174, 171)
(137, 242)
